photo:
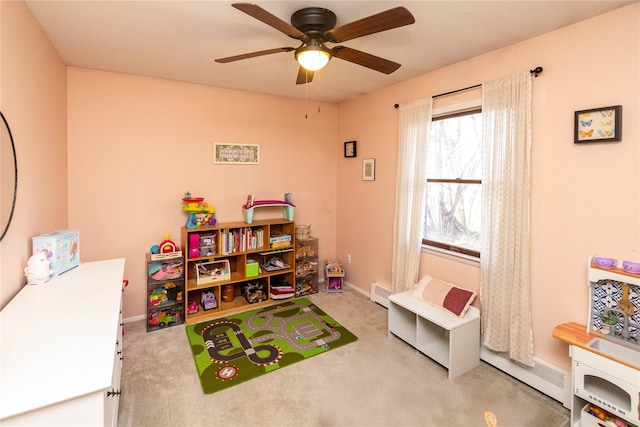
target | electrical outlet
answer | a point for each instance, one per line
(348, 258)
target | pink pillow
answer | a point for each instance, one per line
(444, 295)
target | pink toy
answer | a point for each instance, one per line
(169, 270)
(38, 269)
(192, 307)
(194, 244)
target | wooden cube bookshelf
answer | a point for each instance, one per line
(239, 244)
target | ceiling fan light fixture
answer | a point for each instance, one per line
(314, 56)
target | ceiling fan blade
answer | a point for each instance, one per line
(254, 54)
(304, 76)
(262, 15)
(365, 59)
(392, 18)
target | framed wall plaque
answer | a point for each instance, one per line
(237, 154)
(369, 170)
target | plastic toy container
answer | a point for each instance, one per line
(62, 247)
(213, 271)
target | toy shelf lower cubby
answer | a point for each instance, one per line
(234, 264)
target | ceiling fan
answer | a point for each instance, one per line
(315, 26)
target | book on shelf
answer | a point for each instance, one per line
(282, 292)
(283, 296)
(280, 244)
(253, 238)
(280, 283)
(283, 288)
(280, 238)
(241, 239)
(280, 241)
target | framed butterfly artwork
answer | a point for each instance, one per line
(598, 125)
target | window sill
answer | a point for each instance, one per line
(451, 255)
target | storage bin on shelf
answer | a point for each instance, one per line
(212, 271)
(588, 417)
(334, 276)
(252, 268)
(255, 291)
(276, 259)
(303, 232)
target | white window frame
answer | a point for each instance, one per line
(459, 107)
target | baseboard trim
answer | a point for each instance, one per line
(134, 318)
(543, 376)
(357, 289)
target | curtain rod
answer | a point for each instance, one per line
(535, 73)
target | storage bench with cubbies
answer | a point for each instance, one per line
(453, 342)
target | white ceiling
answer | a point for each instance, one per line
(179, 40)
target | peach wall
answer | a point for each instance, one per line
(33, 100)
(137, 143)
(585, 197)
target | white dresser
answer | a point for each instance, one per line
(61, 349)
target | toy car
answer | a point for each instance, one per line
(208, 300)
(166, 319)
(192, 308)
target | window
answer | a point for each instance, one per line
(454, 185)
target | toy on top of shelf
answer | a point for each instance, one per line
(252, 203)
(200, 213)
(167, 246)
(165, 249)
(334, 267)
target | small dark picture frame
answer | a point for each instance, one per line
(598, 125)
(350, 149)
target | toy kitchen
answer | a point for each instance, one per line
(605, 367)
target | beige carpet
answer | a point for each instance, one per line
(376, 381)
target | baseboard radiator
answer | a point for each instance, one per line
(380, 294)
(544, 377)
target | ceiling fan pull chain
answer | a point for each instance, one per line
(306, 96)
(319, 85)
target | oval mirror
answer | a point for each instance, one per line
(8, 176)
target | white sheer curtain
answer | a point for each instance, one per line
(411, 186)
(504, 286)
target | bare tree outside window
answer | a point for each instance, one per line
(454, 193)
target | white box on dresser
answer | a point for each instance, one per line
(61, 349)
